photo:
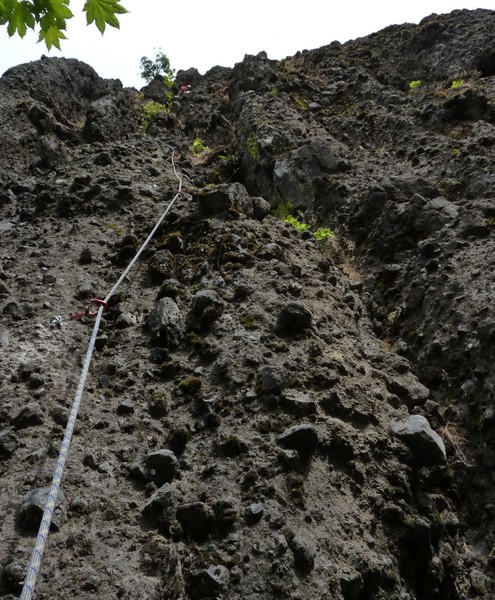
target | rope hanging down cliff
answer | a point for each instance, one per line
(37, 554)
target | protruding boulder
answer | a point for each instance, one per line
(294, 318)
(208, 583)
(33, 505)
(8, 443)
(165, 321)
(232, 197)
(298, 404)
(303, 557)
(197, 519)
(161, 508)
(206, 308)
(29, 415)
(254, 512)
(425, 443)
(409, 390)
(270, 380)
(302, 438)
(159, 467)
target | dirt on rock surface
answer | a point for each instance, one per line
(271, 411)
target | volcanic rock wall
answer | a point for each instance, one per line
(267, 415)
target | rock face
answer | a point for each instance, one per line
(271, 411)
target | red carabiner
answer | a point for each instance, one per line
(100, 303)
(87, 312)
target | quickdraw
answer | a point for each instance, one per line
(59, 320)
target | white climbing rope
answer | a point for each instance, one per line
(39, 547)
(152, 233)
(37, 555)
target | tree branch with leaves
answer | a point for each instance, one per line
(160, 67)
(51, 17)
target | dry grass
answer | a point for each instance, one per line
(456, 438)
(351, 271)
(386, 345)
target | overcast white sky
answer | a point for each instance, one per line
(205, 33)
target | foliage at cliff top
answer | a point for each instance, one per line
(159, 67)
(51, 17)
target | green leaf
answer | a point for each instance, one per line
(296, 224)
(102, 13)
(7, 6)
(3, 12)
(52, 15)
(50, 20)
(52, 37)
(60, 9)
(323, 233)
(27, 14)
(17, 15)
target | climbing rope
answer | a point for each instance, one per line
(37, 554)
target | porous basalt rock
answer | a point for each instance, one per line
(268, 363)
(159, 466)
(165, 321)
(33, 504)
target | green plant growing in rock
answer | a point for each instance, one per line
(198, 147)
(414, 85)
(298, 225)
(191, 386)
(456, 84)
(265, 425)
(252, 147)
(149, 110)
(295, 486)
(248, 322)
(282, 210)
(300, 103)
(193, 338)
(323, 233)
